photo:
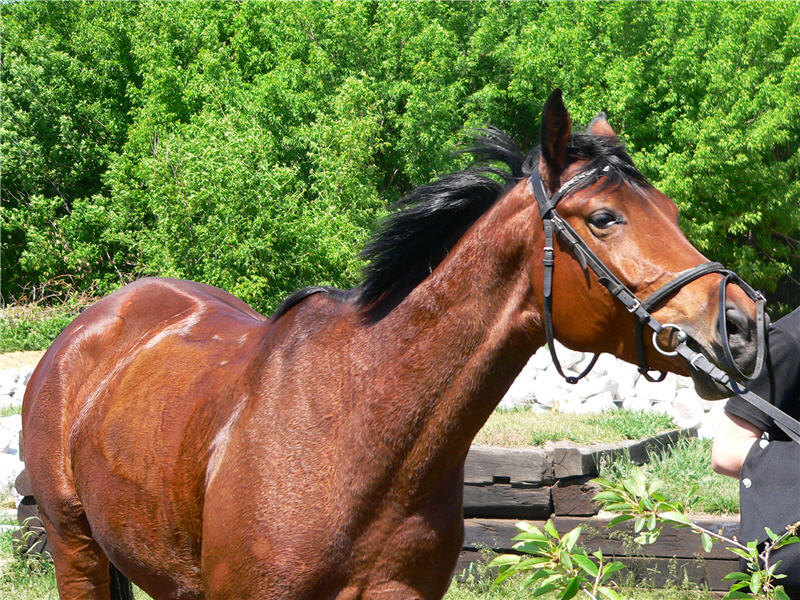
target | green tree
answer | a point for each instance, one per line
(250, 145)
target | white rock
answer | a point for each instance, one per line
(7, 401)
(571, 405)
(8, 377)
(568, 358)
(18, 391)
(712, 420)
(521, 393)
(708, 404)
(605, 364)
(636, 404)
(625, 375)
(665, 408)
(591, 387)
(10, 467)
(7, 387)
(507, 403)
(599, 403)
(551, 389)
(663, 391)
(25, 375)
(583, 363)
(523, 390)
(9, 434)
(688, 408)
(684, 382)
(541, 359)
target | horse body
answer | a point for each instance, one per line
(209, 452)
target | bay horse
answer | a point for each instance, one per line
(175, 435)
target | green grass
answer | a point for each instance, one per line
(21, 580)
(681, 467)
(7, 411)
(31, 579)
(34, 326)
(526, 428)
(478, 585)
(35, 580)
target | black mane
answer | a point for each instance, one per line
(411, 242)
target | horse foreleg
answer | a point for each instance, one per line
(81, 565)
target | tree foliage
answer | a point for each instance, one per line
(250, 145)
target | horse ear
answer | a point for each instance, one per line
(600, 126)
(556, 129)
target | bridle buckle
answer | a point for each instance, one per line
(635, 306)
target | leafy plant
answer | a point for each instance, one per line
(557, 564)
(635, 499)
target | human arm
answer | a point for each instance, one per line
(733, 439)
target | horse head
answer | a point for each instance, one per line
(633, 229)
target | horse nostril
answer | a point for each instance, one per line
(739, 325)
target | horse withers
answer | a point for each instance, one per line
(206, 451)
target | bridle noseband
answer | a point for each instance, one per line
(641, 309)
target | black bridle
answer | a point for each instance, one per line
(641, 309)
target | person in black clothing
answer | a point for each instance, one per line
(748, 445)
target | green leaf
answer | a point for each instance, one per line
(755, 582)
(609, 593)
(505, 560)
(780, 594)
(571, 588)
(675, 517)
(528, 528)
(607, 497)
(618, 507)
(551, 529)
(708, 544)
(537, 575)
(612, 568)
(789, 539)
(646, 538)
(742, 553)
(541, 591)
(736, 575)
(526, 564)
(620, 519)
(564, 558)
(586, 564)
(735, 594)
(571, 538)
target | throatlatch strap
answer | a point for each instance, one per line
(549, 262)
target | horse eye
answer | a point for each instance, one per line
(603, 219)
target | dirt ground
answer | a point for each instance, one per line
(19, 360)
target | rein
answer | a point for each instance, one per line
(641, 309)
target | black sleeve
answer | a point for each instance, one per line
(779, 384)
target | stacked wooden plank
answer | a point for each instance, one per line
(505, 485)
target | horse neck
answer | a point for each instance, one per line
(460, 338)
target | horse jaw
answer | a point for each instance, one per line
(707, 388)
